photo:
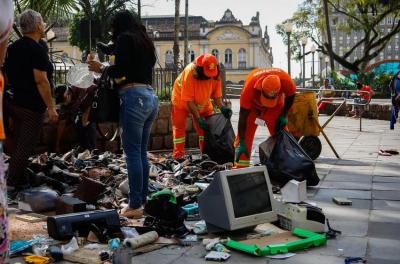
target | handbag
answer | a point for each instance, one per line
(105, 104)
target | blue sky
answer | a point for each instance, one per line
(272, 12)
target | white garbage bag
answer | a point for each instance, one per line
(80, 76)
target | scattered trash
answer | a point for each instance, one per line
(41, 199)
(191, 209)
(56, 253)
(294, 191)
(200, 228)
(141, 240)
(70, 247)
(33, 259)
(124, 187)
(129, 232)
(31, 217)
(310, 239)
(332, 233)
(282, 256)
(68, 204)
(17, 246)
(92, 246)
(354, 260)
(210, 242)
(217, 256)
(342, 201)
(388, 152)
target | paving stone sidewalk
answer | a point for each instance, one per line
(370, 227)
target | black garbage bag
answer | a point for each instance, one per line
(219, 139)
(165, 215)
(286, 160)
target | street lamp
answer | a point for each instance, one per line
(313, 50)
(326, 67)
(304, 43)
(288, 27)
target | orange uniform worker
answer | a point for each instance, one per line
(192, 91)
(266, 98)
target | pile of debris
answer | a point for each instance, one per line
(100, 179)
(93, 185)
(71, 211)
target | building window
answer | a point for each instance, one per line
(228, 59)
(215, 52)
(242, 58)
(191, 55)
(389, 20)
(169, 59)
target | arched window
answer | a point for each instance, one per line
(191, 55)
(169, 59)
(242, 58)
(228, 59)
(215, 52)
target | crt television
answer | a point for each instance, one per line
(237, 199)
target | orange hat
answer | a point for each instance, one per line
(270, 86)
(209, 64)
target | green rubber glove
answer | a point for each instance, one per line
(280, 123)
(226, 112)
(241, 148)
(202, 123)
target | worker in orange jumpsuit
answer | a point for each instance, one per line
(191, 94)
(266, 98)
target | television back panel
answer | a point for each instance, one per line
(212, 206)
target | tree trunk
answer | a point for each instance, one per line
(139, 9)
(328, 34)
(176, 38)
(185, 50)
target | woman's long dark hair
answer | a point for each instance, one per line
(124, 22)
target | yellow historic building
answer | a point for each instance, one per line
(239, 47)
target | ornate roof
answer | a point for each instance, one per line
(228, 18)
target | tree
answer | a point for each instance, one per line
(359, 15)
(93, 18)
(176, 37)
(51, 10)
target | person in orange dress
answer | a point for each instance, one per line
(266, 98)
(191, 94)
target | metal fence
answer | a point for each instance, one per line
(163, 82)
(163, 78)
(61, 65)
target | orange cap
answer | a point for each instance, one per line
(270, 86)
(209, 64)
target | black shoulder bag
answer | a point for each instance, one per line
(105, 105)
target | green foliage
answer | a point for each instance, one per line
(342, 83)
(381, 84)
(359, 15)
(164, 94)
(100, 13)
(51, 10)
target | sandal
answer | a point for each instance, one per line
(132, 213)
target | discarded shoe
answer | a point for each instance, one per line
(383, 153)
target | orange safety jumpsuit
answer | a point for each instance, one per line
(189, 89)
(250, 100)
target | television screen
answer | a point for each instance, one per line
(249, 194)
